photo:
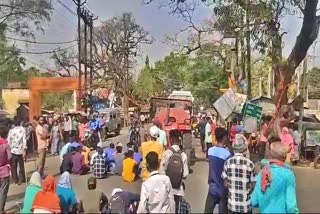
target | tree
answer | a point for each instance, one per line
(10, 61)
(263, 22)
(313, 83)
(24, 16)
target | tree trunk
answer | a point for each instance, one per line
(284, 71)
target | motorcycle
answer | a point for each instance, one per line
(135, 138)
(195, 130)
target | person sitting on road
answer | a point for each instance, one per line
(123, 201)
(46, 200)
(130, 167)
(150, 146)
(67, 163)
(109, 155)
(156, 192)
(99, 145)
(78, 165)
(66, 148)
(68, 199)
(174, 164)
(97, 202)
(137, 157)
(99, 165)
(32, 189)
(118, 160)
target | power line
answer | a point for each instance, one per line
(40, 52)
(67, 8)
(42, 43)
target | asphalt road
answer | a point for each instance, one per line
(196, 184)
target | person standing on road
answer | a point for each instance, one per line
(174, 164)
(56, 136)
(156, 192)
(18, 145)
(42, 138)
(202, 130)
(67, 127)
(150, 146)
(5, 156)
(162, 139)
(217, 156)
(238, 175)
(208, 136)
(275, 189)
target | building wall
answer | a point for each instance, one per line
(11, 98)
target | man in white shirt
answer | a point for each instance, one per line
(178, 192)
(208, 136)
(156, 192)
(18, 144)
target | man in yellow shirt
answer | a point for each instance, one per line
(129, 172)
(150, 146)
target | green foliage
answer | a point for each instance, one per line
(10, 61)
(201, 75)
(313, 83)
(57, 101)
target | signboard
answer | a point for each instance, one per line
(226, 104)
(252, 110)
(312, 137)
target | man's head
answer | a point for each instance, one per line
(239, 144)
(17, 122)
(154, 132)
(119, 148)
(209, 119)
(100, 151)
(41, 120)
(92, 183)
(152, 161)
(175, 137)
(221, 135)
(111, 145)
(3, 132)
(136, 148)
(279, 151)
(130, 153)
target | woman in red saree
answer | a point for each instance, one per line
(47, 201)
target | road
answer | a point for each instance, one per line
(196, 184)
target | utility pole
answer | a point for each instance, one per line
(84, 15)
(91, 19)
(248, 48)
(79, 4)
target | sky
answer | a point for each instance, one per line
(155, 20)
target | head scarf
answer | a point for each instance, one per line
(286, 138)
(47, 199)
(65, 180)
(35, 179)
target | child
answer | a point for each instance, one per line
(129, 173)
(118, 160)
(136, 155)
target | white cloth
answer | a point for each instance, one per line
(208, 137)
(162, 139)
(165, 161)
(17, 140)
(156, 195)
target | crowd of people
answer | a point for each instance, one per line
(234, 182)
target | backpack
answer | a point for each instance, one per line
(175, 169)
(118, 204)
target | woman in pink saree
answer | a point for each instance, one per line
(287, 139)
